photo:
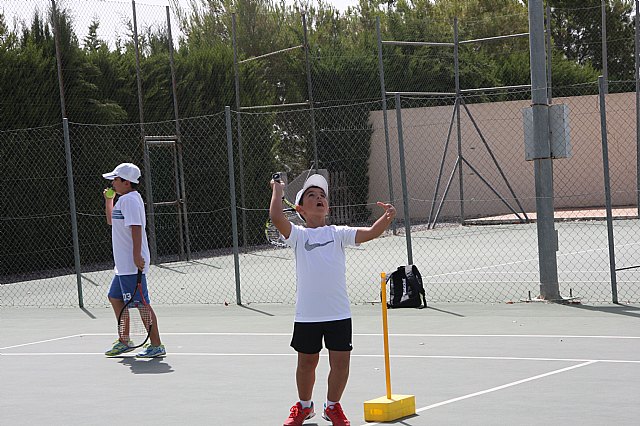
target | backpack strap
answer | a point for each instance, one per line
(411, 271)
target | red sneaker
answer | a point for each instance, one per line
(299, 415)
(335, 415)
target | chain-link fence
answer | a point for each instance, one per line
(469, 222)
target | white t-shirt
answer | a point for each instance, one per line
(321, 279)
(128, 211)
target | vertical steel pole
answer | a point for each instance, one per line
(549, 58)
(181, 190)
(543, 166)
(456, 64)
(234, 214)
(403, 178)
(67, 150)
(383, 94)
(605, 59)
(72, 210)
(607, 189)
(310, 92)
(239, 127)
(56, 40)
(145, 150)
(637, 77)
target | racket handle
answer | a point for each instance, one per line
(276, 177)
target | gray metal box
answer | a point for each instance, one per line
(559, 133)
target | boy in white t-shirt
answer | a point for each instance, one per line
(130, 250)
(322, 304)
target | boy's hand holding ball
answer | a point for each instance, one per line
(109, 193)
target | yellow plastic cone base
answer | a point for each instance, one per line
(386, 410)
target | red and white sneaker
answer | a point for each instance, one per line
(299, 415)
(335, 415)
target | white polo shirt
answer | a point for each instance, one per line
(128, 211)
(321, 272)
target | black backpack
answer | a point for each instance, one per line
(406, 289)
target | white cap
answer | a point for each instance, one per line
(126, 171)
(313, 180)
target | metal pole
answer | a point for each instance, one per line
(67, 149)
(543, 167)
(607, 189)
(56, 39)
(145, 150)
(183, 219)
(605, 59)
(383, 92)
(637, 77)
(403, 178)
(234, 215)
(72, 210)
(431, 224)
(239, 127)
(456, 58)
(549, 57)
(310, 92)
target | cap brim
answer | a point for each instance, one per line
(109, 176)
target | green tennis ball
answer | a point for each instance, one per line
(110, 193)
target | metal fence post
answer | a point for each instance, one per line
(403, 177)
(232, 193)
(385, 119)
(72, 211)
(605, 60)
(543, 167)
(153, 247)
(607, 189)
(236, 73)
(310, 93)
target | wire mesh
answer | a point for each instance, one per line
(470, 193)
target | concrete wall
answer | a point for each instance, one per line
(578, 181)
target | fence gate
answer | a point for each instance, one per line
(166, 194)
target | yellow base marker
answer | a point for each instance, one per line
(390, 407)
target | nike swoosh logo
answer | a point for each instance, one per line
(309, 247)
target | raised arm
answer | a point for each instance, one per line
(367, 234)
(108, 206)
(275, 209)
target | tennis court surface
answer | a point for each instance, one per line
(501, 364)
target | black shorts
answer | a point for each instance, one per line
(307, 336)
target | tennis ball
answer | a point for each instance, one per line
(110, 193)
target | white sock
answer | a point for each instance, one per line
(331, 403)
(306, 404)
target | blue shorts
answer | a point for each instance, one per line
(123, 286)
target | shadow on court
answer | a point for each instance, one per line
(471, 364)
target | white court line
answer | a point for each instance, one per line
(530, 336)
(324, 355)
(42, 341)
(471, 395)
(546, 336)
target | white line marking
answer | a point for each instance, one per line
(546, 336)
(220, 354)
(42, 341)
(530, 336)
(471, 395)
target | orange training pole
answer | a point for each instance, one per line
(385, 332)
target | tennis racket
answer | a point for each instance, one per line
(289, 209)
(136, 318)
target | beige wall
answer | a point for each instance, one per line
(578, 181)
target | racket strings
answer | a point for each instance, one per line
(135, 324)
